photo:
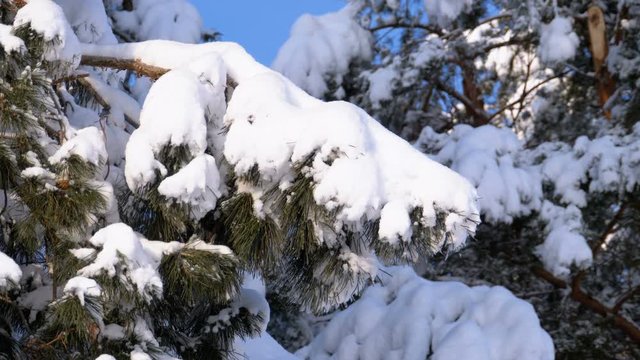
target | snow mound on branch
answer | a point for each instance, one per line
(343, 145)
(558, 42)
(176, 118)
(485, 155)
(81, 286)
(564, 246)
(442, 12)
(9, 42)
(10, 273)
(321, 48)
(407, 317)
(196, 184)
(47, 19)
(120, 246)
(88, 144)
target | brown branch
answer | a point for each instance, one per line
(585, 299)
(135, 65)
(624, 298)
(402, 25)
(470, 106)
(594, 305)
(69, 78)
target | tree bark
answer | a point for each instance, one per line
(599, 51)
(135, 65)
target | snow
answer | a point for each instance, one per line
(47, 18)
(564, 246)
(10, 273)
(36, 300)
(558, 41)
(9, 42)
(171, 118)
(81, 287)
(380, 85)
(262, 347)
(105, 357)
(121, 246)
(116, 98)
(430, 49)
(113, 332)
(485, 155)
(197, 184)
(171, 20)
(89, 20)
(88, 144)
(407, 317)
(321, 48)
(442, 12)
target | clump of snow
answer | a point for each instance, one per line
(121, 247)
(88, 144)
(442, 12)
(197, 184)
(407, 317)
(486, 156)
(47, 19)
(380, 85)
(81, 286)
(564, 246)
(10, 273)
(321, 48)
(105, 357)
(113, 332)
(9, 42)
(430, 49)
(558, 41)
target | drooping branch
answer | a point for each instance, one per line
(135, 65)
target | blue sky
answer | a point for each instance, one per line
(260, 26)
